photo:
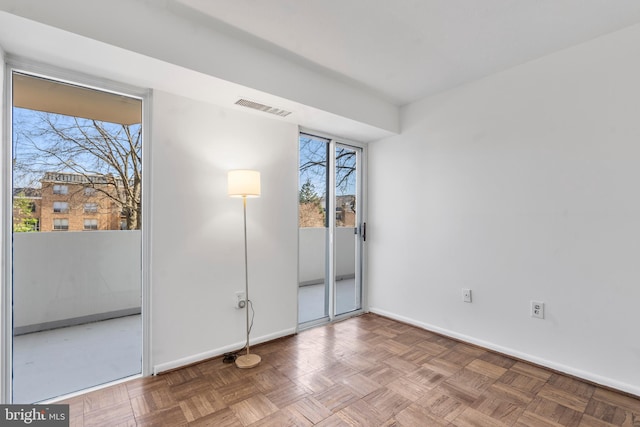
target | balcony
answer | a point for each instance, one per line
(312, 272)
(76, 316)
(64, 360)
(311, 298)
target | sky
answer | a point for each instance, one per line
(32, 139)
(28, 133)
(314, 150)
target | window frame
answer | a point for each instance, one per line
(60, 189)
(61, 209)
(93, 210)
(59, 73)
(62, 226)
(94, 224)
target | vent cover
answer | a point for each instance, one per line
(261, 107)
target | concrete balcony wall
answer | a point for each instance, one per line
(312, 251)
(66, 278)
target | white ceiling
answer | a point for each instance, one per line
(405, 50)
(341, 66)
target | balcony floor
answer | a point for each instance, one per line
(311, 305)
(61, 361)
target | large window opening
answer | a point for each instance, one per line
(77, 215)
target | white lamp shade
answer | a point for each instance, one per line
(243, 183)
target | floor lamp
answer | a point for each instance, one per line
(245, 183)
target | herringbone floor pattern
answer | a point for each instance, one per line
(366, 371)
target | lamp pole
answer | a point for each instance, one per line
(245, 184)
(246, 268)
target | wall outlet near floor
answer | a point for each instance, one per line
(537, 309)
(241, 300)
(466, 295)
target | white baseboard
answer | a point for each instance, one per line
(195, 358)
(588, 376)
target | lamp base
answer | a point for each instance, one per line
(247, 361)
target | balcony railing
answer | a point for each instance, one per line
(312, 244)
(66, 286)
(64, 279)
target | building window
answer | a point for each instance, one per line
(89, 191)
(61, 224)
(60, 207)
(90, 208)
(90, 224)
(60, 189)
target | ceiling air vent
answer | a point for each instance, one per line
(261, 107)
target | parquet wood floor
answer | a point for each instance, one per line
(365, 371)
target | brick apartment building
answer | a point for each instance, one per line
(75, 202)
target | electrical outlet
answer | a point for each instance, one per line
(241, 300)
(537, 309)
(466, 295)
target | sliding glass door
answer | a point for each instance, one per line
(331, 229)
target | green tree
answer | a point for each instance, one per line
(308, 193)
(23, 214)
(311, 213)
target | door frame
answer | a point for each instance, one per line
(361, 205)
(16, 64)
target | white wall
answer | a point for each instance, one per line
(59, 276)
(522, 186)
(197, 233)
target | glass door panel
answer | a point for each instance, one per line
(314, 286)
(346, 238)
